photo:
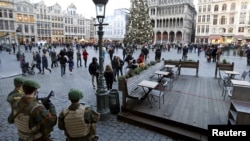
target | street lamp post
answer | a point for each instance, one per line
(18, 55)
(102, 98)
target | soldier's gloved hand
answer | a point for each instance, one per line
(52, 108)
(46, 103)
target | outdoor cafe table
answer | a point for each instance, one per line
(161, 74)
(169, 67)
(150, 85)
(240, 83)
(231, 74)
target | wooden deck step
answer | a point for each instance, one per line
(176, 131)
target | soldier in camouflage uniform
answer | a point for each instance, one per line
(33, 121)
(15, 95)
(78, 120)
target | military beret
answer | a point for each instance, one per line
(31, 83)
(75, 94)
(19, 80)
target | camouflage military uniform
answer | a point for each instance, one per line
(71, 120)
(33, 120)
(14, 96)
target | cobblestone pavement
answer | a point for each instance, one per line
(110, 130)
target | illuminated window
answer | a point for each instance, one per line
(26, 18)
(4, 4)
(31, 18)
(19, 17)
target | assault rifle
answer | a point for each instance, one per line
(46, 100)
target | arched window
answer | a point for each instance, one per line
(222, 30)
(233, 6)
(230, 30)
(224, 7)
(223, 20)
(216, 8)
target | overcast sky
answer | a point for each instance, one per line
(87, 7)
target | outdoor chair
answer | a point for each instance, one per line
(159, 93)
(227, 89)
(169, 80)
(243, 75)
(222, 78)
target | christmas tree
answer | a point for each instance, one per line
(139, 28)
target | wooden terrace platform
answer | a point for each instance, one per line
(192, 103)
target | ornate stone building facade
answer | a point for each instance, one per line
(43, 22)
(7, 20)
(75, 24)
(173, 20)
(39, 22)
(117, 25)
(25, 20)
(223, 21)
(57, 23)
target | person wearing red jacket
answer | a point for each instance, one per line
(85, 57)
(141, 58)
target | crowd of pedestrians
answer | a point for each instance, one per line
(65, 58)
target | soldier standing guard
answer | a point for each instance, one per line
(15, 95)
(33, 121)
(78, 120)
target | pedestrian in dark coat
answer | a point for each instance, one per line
(115, 65)
(38, 62)
(63, 60)
(158, 54)
(45, 63)
(78, 58)
(111, 52)
(124, 52)
(71, 65)
(109, 76)
(93, 70)
(145, 52)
